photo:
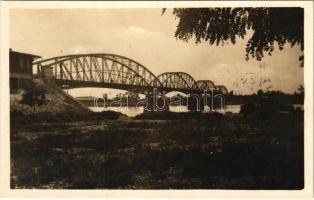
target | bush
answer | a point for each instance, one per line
(36, 96)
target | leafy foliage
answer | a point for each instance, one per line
(220, 25)
(36, 96)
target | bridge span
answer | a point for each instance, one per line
(118, 72)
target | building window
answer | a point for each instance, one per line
(13, 83)
(28, 64)
(21, 63)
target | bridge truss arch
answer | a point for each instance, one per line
(205, 85)
(99, 68)
(222, 89)
(177, 80)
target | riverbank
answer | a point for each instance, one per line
(188, 151)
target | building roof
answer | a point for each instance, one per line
(26, 54)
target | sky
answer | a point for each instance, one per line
(147, 36)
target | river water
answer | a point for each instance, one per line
(133, 111)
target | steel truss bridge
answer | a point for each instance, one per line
(118, 72)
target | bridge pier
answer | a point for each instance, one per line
(156, 102)
(216, 101)
(196, 103)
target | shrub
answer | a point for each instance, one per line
(36, 96)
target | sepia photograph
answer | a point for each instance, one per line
(157, 98)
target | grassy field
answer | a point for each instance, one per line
(210, 151)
